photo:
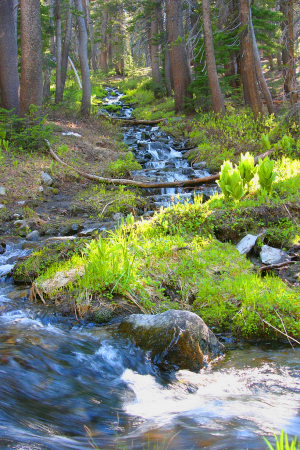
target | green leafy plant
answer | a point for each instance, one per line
(224, 181)
(123, 166)
(246, 168)
(282, 443)
(266, 141)
(266, 174)
(231, 181)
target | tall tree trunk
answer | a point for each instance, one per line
(58, 90)
(89, 25)
(179, 65)
(84, 61)
(31, 92)
(51, 17)
(285, 52)
(154, 47)
(217, 97)
(291, 70)
(47, 78)
(66, 46)
(103, 54)
(259, 72)
(250, 85)
(9, 78)
(16, 9)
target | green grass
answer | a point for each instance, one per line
(175, 261)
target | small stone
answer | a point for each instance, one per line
(130, 141)
(46, 179)
(71, 230)
(2, 190)
(33, 236)
(2, 206)
(200, 165)
(149, 214)
(270, 255)
(41, 189)
(246, 244)
(21, 203)
(21, 224)
(16, 216)
(117, 216)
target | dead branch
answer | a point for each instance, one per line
(139, 121)
(276, 266)
(125, 182)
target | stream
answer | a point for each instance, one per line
(58, 376)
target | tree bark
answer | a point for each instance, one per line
(179, 64)
(66, 46)
(89, 23)
(248, 69)
(291, 70)
(153, 46)
(285, 53)
(84, 61)
(31, 92)
(58, 90)
(103, 54)
(217, 97)
(259, 72)
(47, 78)
(9, 78)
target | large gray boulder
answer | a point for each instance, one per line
(175, 339)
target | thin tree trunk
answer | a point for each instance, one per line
(285, 53)
(58, 90)
(66, 46)
(291, 70)
(103, 54)
(154, 47)
(248, 69)
(31, 92)
(89, 26)
(279, 59)
(84, 61)
(47, 78)
(259, 72)
(9, 78)
(271, 62)
(217, 97)
(51, 16)
(179, 65)
(76, 73)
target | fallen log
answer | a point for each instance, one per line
(138, 121)
(125, 182)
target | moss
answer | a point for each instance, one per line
(36, 264)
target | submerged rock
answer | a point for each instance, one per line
(175, 339)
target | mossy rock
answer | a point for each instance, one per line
(26, 271)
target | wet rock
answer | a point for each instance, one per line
(71, 230)
(148, 214)
(2, 190)
(16, 295)
(175, 339)
(200, 165)
(270, 255)
(88, 232)
(189, 153)
(2, 247)
(46, 179)
(33, 236)
(246, 244)
(130, 141)
(41, 189)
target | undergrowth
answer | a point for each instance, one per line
(174, 261)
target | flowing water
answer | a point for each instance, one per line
(58, 376)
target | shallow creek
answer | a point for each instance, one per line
(58, 376)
